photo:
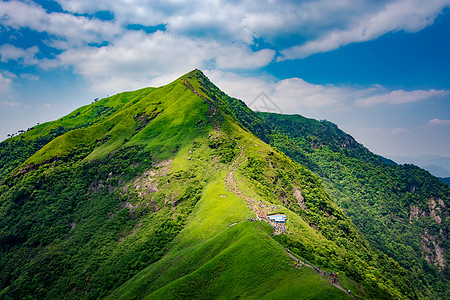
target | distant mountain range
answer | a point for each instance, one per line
(437, 165)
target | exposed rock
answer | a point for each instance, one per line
(412, 188)
(147, 183)
(97, 186)
(298, 195)
(432, 252)
(172, 200)
(436, 210)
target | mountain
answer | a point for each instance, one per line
(437, 165)
(401, 210)
(437, 170)
(445, 180)
(165, 192)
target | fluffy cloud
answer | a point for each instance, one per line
(292, 95)
(407, 15)
(205, 34)
(72, 30)
(121, 66)
(212, 35)
(295, 95)
(399, 97)
(26, 56)
(439, 122)
(241, 87)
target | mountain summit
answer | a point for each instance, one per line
(183, 192)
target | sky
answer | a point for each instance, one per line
(379, 69)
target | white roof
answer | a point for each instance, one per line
(277, 218)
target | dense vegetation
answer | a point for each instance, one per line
(126, 198)
(379, 197)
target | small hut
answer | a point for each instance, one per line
(278, 218)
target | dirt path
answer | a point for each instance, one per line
(262, 210)
(321, 273)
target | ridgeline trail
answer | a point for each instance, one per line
(262, 210)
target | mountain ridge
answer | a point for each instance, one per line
(141, 191)
(437, 165)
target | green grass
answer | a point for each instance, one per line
(241, 262)
(78, 226)
(172, 112)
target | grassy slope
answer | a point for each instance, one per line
(92, 241)
(87, 241)
(69, 190)
(212, 259)
(167, 128)
(14, 151)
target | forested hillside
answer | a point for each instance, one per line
(164, 193)
(401, 209)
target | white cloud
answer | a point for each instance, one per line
(29, 76)
(439, 122)
(5, 84)
(399, 97)
(241, 87)
(243, 58)
(9, 74)
(325, 24)
(204, 34)
(73, 30)
(295, 95)
(292, 95)
(407, 15)
(214, 35)
(136, 59)
(27, 56)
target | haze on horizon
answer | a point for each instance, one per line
(378, 69)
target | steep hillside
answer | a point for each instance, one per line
(401, 209)
(162, 193)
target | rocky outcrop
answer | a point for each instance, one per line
(430, 243)
(434, 254)
(437, 208)
(300, 199)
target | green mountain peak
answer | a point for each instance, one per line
(168, 192)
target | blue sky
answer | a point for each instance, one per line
(378, 69)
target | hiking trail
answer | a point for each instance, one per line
(262, 210)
